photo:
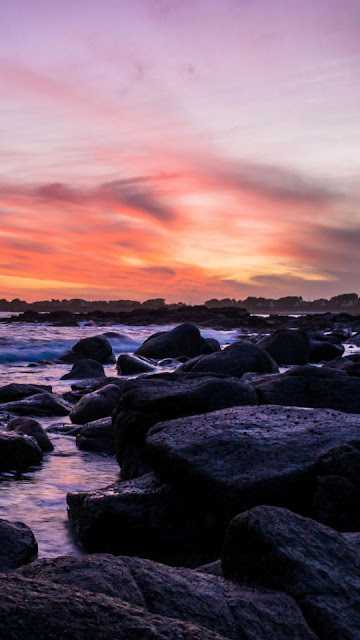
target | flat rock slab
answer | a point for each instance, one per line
(241, 457)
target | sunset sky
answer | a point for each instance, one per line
(186, 149)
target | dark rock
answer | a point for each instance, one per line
(129, 364)
(321, 351)
(147, 400)
(16, 391)
(179, 594)
(145, 518)
(17, 545)
(312, 563)
(349, 364)
(97, 436)
(288, 347)
(65, 429)
(95, 405)
(214, 345)
(40, 404)
(18, 452)
(235, 360)
(184, 340)
(96, 348)
(83, 369)
(318, 387)
(241, 457)
(31, 609)
(212, 568)
(31, 427)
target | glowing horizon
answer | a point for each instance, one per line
(183, 150)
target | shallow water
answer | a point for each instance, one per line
(38, 497)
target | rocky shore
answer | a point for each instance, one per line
(236, 515)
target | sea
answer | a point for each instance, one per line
(38, 496)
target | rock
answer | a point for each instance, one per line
(36, 610)
(96, 348)
(15, 391)
(31, 427)
(235, 360)
(321, 351)
(314, 564)
(129, 364)
(146, 518)
(66, 429)
(308, 386)
(17, 545)
(241, 457)
(183, 340)
(95, 405)
(349, 364)
(97, 436)
(40, 404)
(288, 347)
(147, 400)
(178, 594)
(18, 452)
(83, 369)
(337, 492)
(212, 568)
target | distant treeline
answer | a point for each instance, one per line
(346, 301)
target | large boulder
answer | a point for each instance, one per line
(17, 545)
(97, 436)
(95, 405)
(350, 364)
(146, 518)
(96, 348)
(241, 457)
(216, 604)
(147, 400)
(84, 369)
(130, 364)
(288, 347)
(183, 340)
(17, 391)
(17, 452)
(322, 351)
(308, 386)
(31, 427)
(40, 405)
(314, 564)
(235, 360)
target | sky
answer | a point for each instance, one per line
(184, 149)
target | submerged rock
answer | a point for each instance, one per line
(17, 452)
(147, 400)
(17, 545)
(95, 405)
(31, 427)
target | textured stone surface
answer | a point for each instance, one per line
(17, 545)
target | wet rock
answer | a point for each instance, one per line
(95, 405)
(288, 347)
(17, 391)
(308, 386)
(97, 436)
(179, 594)
(83, 369)
(212, 568)
(183, 340)
(17, 452)
(235, 360)
(146, 518)
(147, 400)
(241, 457)
(39, 610)
(94, 348)
(129, 364)
(31, 427)
(314, 564)
(66, 429)
(321, 351)
(350, 364)
(17, 545)
(40, 404)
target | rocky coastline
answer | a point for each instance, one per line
(236, 514)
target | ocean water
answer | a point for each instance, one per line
(38, 497)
